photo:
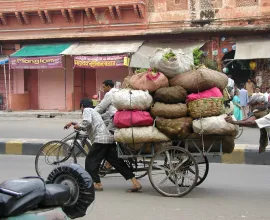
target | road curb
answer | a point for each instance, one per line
(242, 154)
(21, 147)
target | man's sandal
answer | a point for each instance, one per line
(135, 189)
(98, 188)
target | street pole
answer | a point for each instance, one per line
(9, 90)
(65, 83)
(5, 76)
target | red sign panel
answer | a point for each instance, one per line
(93, 62)
(36, 62)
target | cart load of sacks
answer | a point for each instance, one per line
(172, 101)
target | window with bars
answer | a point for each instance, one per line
(206, 4)
(217, 4)
(150, 4)
(177, 5)
(246, 3)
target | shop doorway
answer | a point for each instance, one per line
(31, 87)
(239, 69)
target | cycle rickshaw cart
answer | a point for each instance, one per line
(174, 167)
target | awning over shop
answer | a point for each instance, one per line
(40, 56)
(103, 48)
(3, 60)
(141, 58)
(256, 48)
(39, 50)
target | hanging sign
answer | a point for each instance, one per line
(225, 50)
(48, 62)
(215, 52)
(93, 62)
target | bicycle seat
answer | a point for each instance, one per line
(56, 195)
(32, 190)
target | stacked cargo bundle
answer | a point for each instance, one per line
(187, 105)
(170, 109)
(133, 120)
(204, 109)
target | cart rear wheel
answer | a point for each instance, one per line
(173, 172)
(203, 166)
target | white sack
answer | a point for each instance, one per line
(214, 125)
(132, 99)
(228, 110)
(140, 135)
(182, 63)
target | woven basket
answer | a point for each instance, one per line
(205, 107)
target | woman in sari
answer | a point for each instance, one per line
(237, 112)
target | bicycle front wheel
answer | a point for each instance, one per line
(52, 155)
(240, 132)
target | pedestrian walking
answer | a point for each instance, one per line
(237, 107)
(103, 147)
(249, 87)
(243, 96)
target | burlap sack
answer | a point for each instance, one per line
(169, 110)
(170, 95)
(127, 99)
(175, 129)
(173, 66)
(214, 125)
(139, 135)
(149, 81)
(227, 143)
(126, 83)
(200, 79)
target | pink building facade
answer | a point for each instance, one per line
(219, 23)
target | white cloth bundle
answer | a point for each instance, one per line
(127, 99)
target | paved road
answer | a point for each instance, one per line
(37, 128)
(231, 192)
(52, 128)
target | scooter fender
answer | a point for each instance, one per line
(41, 214)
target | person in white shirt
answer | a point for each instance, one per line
(260, 119)
(266, 94)
(243, 96)
(105, 107)
(230, 86)
(103, 147)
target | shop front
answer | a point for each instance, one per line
(250, 59)
(42, 77)
(96, 62)
(255, 51)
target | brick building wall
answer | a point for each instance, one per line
(96, 19)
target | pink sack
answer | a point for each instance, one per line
(132, 118)
(210, 93)
(148, 81)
